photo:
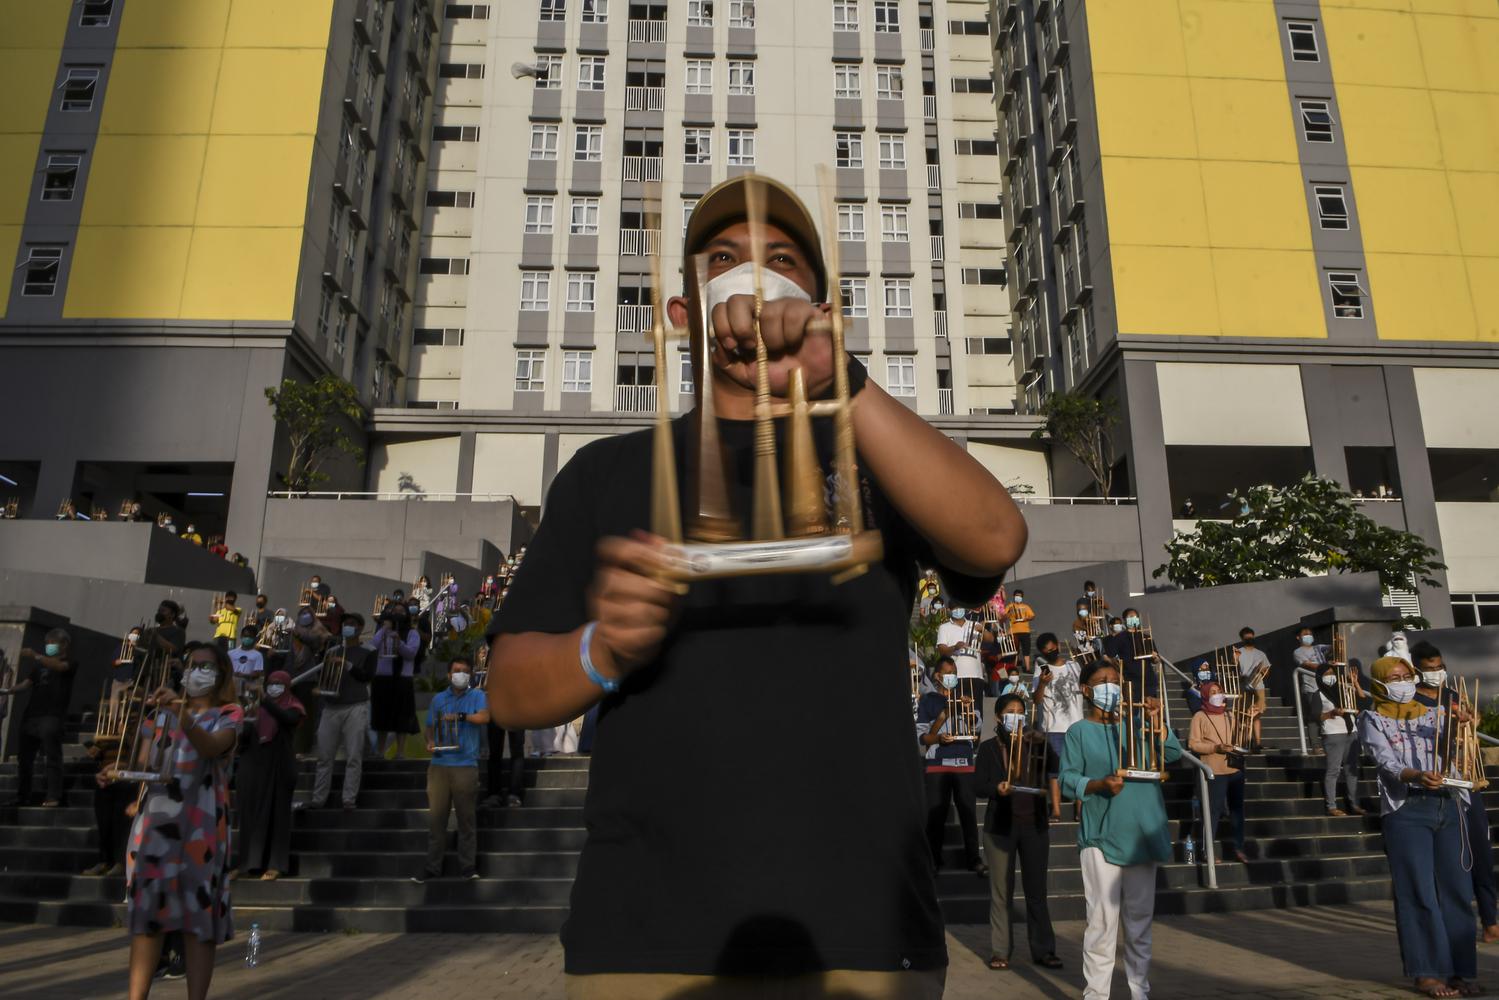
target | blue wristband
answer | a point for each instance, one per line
(608, 684)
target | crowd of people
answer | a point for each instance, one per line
(1060, 706)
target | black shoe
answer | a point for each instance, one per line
(470, 875)
(176, 968)
(980, 869)
(425, 877)
(492, 802)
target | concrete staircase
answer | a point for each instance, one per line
(352, 869)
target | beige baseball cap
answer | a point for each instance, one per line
(724, 205)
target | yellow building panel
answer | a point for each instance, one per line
(1274, 218)
(1377, 47)
(160, 91)
(1136, 36)
(1247, 308)
(1453, 50)
(1483, 281)
(1469, 8)
(280, 23)
(1405, 211)
(1230, 38)
(255, 181)
(1369, 4)
(1144, 116)
(1420, 297)
(33, 25)
(269, 92)
(1477, 198)
(27, 79)
(173, 24)
(18, 162)
(244, 274)
(127, 272)
(1389, 127)
(1168, 290)
(1243, 120)
(146, 180)
(1154, 202)
(1469, 127)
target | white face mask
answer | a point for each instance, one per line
(1118, 627)
(740, 280)
(276, 690)
(1329, 680)
(1400, 692)
(1217, 700)
(950, 681)
(1012, 721)
(1306, 640)
(199, 681)
(1434, 678)
(460, 680)
(1204, 675)
(280, 619)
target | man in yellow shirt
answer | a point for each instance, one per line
(226, 621)
(1020, 615)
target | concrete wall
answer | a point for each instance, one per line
(1069, 537)
(113, 550)
(283, 580)
(1468, 652)
(108, 606)
(1054, 595)
(435, 566)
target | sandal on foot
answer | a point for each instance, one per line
(1436, 989)
(998, 964)
(1335, 811)
(1491, 934)
(1466, 987)
(269, 875)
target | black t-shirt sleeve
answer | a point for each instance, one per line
(900, 534)
(549, 591)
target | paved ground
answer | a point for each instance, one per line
(1334, 952)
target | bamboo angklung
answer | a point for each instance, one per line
(1025, 762)
(1142, 748)
(331, 671)
(962, 716)
(137, 756)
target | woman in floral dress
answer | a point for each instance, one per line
(176, 875)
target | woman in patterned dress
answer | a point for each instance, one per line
(178, 859)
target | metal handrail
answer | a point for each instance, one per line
(1301, 716)
(1032, 498)
(1209, 848)
(386, 495)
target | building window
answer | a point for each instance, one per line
(851, 223)
(898, 298)
(845, 15)
(61, 178)
(460, 71)
(530, 371)
(887, 16)
(78, 88)
(889, 85)
(900, 375)
(582, 288)
(1348, 294)
(548, 72)
(986, 345)
(457, 133)
(1303, 36)
(324, 311)
(1332, 206)
(980, 210)
(855, 297)
(1475, 609)
(697, 145)
(895, 224)
(741, 147)
(590, 72)
(985, 275)
(42, 266)
(577, 371)
(466, 12)
(849, 149)
(700, 13)
(588, 144)
(1316, 121)
(554, 10)
(585, 217)
(535, 291)
(450, 199)
(742, 77)
(543, 142)
(539, 211)
(443, 265)
(595, 11)
(431, 336)
(892, 151)
(741, 13)
(846, 82)
(976, 147)
(985, 85)
(96, 13)
(699, 78)
(687, 209)
(684, 374)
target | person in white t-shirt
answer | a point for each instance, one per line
(1339, 737)
(1056, 689)
(959, 638)
(1254, 671)
(248, 662)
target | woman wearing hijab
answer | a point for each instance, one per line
(267, 777)
(1422, 824)
(1211, 739)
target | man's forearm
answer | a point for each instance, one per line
(943, 491)
(537, 681)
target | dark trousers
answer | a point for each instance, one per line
(110, 803)
(1226, 795)
(497, 739)
(1477, 816)
(1433, 918)
(455, 789)
(40, 733)
(955, 787)
(1030, 847)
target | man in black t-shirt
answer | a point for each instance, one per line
(722, 841)
(48, 674)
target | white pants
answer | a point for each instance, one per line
(1114, 891)
(558, 739)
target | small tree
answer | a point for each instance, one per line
(1085, 427)
(316, 417)
(1306, 529)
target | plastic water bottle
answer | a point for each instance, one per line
(252, 948)
(1190, 849)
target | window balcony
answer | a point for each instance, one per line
(928, 40)
(944, 402)
(642, 168)
(939, 249)
(939, 322)
(933, 177)
(635, 398)
(647, 31)
(929, 107)
(639, 242)
(645, 98)
(634, 319)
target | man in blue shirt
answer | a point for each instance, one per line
(455, 720)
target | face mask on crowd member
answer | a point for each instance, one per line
(1106, 696)
(1246, 638)
(1433, 673)
(349, 631)
(1019, 597)
(413, 610)
(1306, 639)
(958, 614)
(280, 618)
(247, 641)
(1203, 673)
(459, 677)
(1329, 679)
(52, 648)
(1117, 627)
(1133, 621)
(1013, 722)
(948, 680)
(200, 679)
(1051, 654)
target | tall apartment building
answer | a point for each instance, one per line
(199, 198)
(1268, 229)
(553, 122)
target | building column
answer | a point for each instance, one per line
(467, 444)
(1329, 460)
(254, 452)
(54, 483)
(1141, 398)
(551, 451)
(1417, 494)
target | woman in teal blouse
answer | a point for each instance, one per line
(1121, 838)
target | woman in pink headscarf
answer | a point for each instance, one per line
(1211, 738)
(266, 779)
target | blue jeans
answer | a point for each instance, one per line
(1484, 890)
(1424, 845)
